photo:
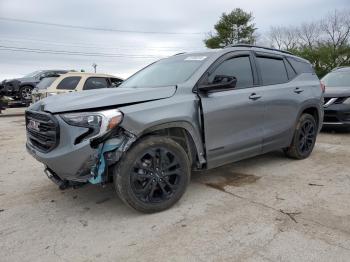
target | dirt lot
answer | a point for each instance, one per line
(268, 208)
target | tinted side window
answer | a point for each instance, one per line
(95, 83)
(116, 82)
(238, 67)
(290, 70)
(69, 83)
(272, 71)
(300, 66)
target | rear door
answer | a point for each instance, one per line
(67, 84)
(281, 96)
(232, 119)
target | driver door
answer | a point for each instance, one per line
(232, 118)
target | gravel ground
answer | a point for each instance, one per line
(268, 208)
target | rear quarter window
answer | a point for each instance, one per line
(300, 66)
(69, 83)
(115, 82)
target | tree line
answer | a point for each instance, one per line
(325, 43)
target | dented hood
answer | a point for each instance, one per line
(103, 98)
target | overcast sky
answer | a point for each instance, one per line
(155, 28)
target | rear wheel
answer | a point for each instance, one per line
(153, 175)
(304, 138)
(25, 93)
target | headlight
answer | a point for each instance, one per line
(50, 94)
(98, 123)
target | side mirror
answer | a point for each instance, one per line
(222, 85)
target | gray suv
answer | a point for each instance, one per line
(191, 111)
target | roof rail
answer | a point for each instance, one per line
(180, 53)
(257, 46)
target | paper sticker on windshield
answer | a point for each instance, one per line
(195, 58)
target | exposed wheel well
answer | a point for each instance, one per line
(26, 85)
(181, 136)
(314, 112)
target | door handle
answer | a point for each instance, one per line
(254, 96)
(298, 90)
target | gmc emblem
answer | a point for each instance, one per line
(33, 125)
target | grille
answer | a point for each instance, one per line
(340, 100)
(326, 100)
(42, 130)
(336, 100)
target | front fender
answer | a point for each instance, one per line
(31, 84)
(191, 130)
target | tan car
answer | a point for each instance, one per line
(73, 82)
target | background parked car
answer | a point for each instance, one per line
(337, 97)
(21, 88)
(75, 81)
(42, 86)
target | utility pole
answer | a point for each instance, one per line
(94, 65)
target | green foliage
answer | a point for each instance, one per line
(325, 43)
(232, 28)
(325, 57)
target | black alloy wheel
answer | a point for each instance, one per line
(153, 174)
(307, 137)
(304, 138)
(156, 175)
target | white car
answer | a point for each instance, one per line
(73, 82)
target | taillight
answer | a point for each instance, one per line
(323, 87)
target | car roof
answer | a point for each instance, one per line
(245, 47)
(88, 74)
(54, 70)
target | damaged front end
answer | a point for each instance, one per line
(110, 153)
(77, 148)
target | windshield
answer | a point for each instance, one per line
(33, 74)
(337, 79)
(166, 72)
(46, 82)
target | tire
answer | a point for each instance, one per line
(304, 138)
(153, 175)
(25, 92)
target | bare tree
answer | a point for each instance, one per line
(283, 37)
(275, 37)
(309, 34)
(336, 28)
(290, 39)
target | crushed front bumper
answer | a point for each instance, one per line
(68, 163)
(66, 158)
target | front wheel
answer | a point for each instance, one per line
(304, 138)
(25, 93)
(153, 174)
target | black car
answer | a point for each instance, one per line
(337, 97)
(21, 88)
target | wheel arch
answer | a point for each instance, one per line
(183, 133)
(32, 85)
(313, 110)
